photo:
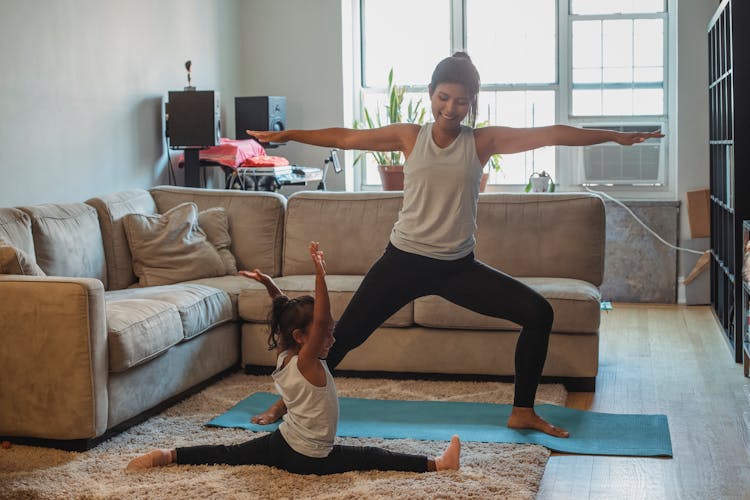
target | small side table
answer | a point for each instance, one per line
(259, 179)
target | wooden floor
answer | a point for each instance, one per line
(672, 360)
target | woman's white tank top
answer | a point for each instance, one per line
(441, 191)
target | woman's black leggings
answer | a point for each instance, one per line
(399, 277)
(273, 450)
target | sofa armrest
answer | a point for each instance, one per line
(53, 357)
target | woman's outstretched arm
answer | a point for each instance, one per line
(492, 140)
(396, 137)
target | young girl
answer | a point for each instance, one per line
(302, 333)
(431, 250)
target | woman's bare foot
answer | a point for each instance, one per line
(154, 458)
(526, 418)
(451, 458)
(271, 415)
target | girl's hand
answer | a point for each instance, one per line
(265, 136)
(265, 280)
(318, 258)
(256, 275)
(630, 138)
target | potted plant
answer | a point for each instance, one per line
(540, 182)
(391, 163)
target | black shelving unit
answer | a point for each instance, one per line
(745, 305)
(729, 133)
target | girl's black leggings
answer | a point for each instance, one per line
(399, 277)
(273, 450)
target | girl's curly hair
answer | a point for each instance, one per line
(286, 316)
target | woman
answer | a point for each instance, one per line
(431, 250)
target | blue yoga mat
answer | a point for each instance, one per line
(591, 433)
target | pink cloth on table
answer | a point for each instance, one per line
(265, 161)
(230, 152)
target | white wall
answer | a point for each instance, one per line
(692, 100)
(82, 82)
(81, 88)
(294, 48)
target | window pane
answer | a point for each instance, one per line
(648, 47)
(519, 109)
(617, 50)
(617, 101)
(512, 42)
(587, 44)
(410, 36)
(584, 7)
(587, 75)
(641, 74)
(648, 101)
(631, 69)
(587, 102)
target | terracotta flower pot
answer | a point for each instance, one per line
(392, 177)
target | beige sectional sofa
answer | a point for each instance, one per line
(552, 242)
(86, 351)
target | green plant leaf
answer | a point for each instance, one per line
(393, 113)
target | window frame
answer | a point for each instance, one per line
(567, 160)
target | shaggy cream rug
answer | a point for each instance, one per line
(488, 470)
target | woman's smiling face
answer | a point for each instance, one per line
(450, 104)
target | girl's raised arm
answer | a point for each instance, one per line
(265, 280)
(308, 360)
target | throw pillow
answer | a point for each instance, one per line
(215, 222)
(15, 261)
(171, 247)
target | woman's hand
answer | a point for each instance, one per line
(318, 258)
(630, 138)
(266, 136)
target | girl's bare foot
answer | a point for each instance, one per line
(526, 418)
(451, 458)
(154, 458)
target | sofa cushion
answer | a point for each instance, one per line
(171, 247)
(139, 330)
(354, 229)
(200, 307)
(256, 221)
(542, 235)
(232, 285)
(15, 228)
(13, 260)
(575, 303)
(255, 304)
(111, 209)
(215, 223)
(68, 241)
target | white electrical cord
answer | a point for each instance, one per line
(644, 224)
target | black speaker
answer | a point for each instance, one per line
(266, 112)
(193, 119)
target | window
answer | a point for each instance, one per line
(590, 63)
